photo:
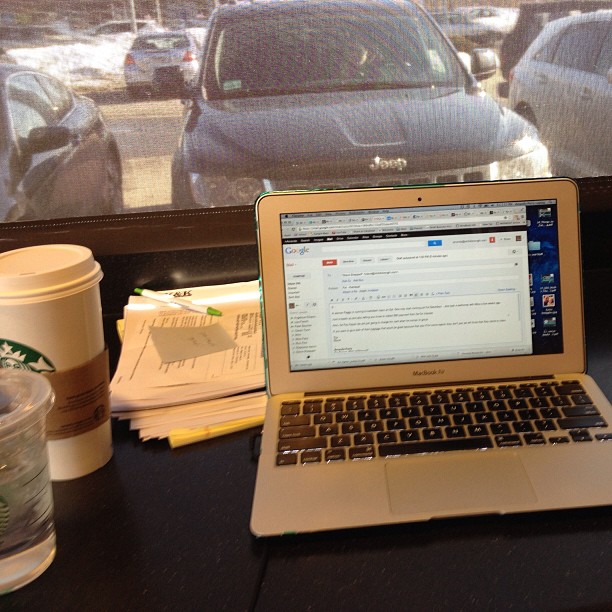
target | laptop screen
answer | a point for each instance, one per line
(421, 284)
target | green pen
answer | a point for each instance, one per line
(170, 299)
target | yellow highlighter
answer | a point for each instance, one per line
(183, 436)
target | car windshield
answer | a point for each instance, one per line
(161, 43)
(323, 50)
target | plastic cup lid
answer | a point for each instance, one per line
(45, 272)
(24, 396)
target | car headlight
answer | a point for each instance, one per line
(531, 162)
(214, 191)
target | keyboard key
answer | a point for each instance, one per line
(440, 421)
(432, 433)
(433, 446)
(286, 459)
(293, 420)
(453, 408)
(386, 437)
(310, 456)
(296, 432)
(534, 439)
(396, 424)
(335, 454)
(477, 430)
(410, 435)
(545, 425)
(575, 411)
(522, 427)
(559, 440)
(373, 426)
(311, 407)
(582, 422)
(301, 444)
(290, 409)
(580, 435)
(508, 440)
(341, 440)
(569, 389)
(361, 452)
(324, 418)
(363, 438)
(581, 400)
(455, 432)
(603, 436)
(328, 430)
(500, 428)
(355, 404)
(388, 413)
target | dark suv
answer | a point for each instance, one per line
(299, 94)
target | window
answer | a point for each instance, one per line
(292, 94)
(579, 46)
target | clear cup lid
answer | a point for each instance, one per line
(24, 396)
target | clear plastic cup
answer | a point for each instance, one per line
(27, 532)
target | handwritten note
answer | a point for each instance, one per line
(179, 343)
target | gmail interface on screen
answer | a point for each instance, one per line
(420, 284)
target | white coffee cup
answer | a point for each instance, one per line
(51, 322)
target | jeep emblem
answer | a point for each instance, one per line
(381, 163)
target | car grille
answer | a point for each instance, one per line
(465, 175)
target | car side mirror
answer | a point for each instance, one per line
(47, 138)
(483, 63)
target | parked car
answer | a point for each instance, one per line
(563, 85)
(17, 36)
(161, 61)
(498, 19)
(310, 94)
(57, 157)
(458, 25)
(533, 16)
(124, 25)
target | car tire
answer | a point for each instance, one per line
(113, 186)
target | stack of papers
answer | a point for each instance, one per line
(185, 375)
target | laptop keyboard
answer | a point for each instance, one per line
(330, 429)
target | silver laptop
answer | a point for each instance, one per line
(425, 357)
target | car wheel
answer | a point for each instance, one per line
(113, 186)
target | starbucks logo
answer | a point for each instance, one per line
(21, 357)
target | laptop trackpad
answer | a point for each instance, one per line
(444, 484)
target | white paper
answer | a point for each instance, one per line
(143, 381)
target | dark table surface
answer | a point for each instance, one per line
(163, 529)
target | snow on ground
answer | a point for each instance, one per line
(94, 64)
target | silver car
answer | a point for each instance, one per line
(158, 62)
(563, 85)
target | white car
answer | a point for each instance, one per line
(498, 19)
(161, 61)
(563, 85)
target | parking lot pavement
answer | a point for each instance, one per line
(146, 182)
